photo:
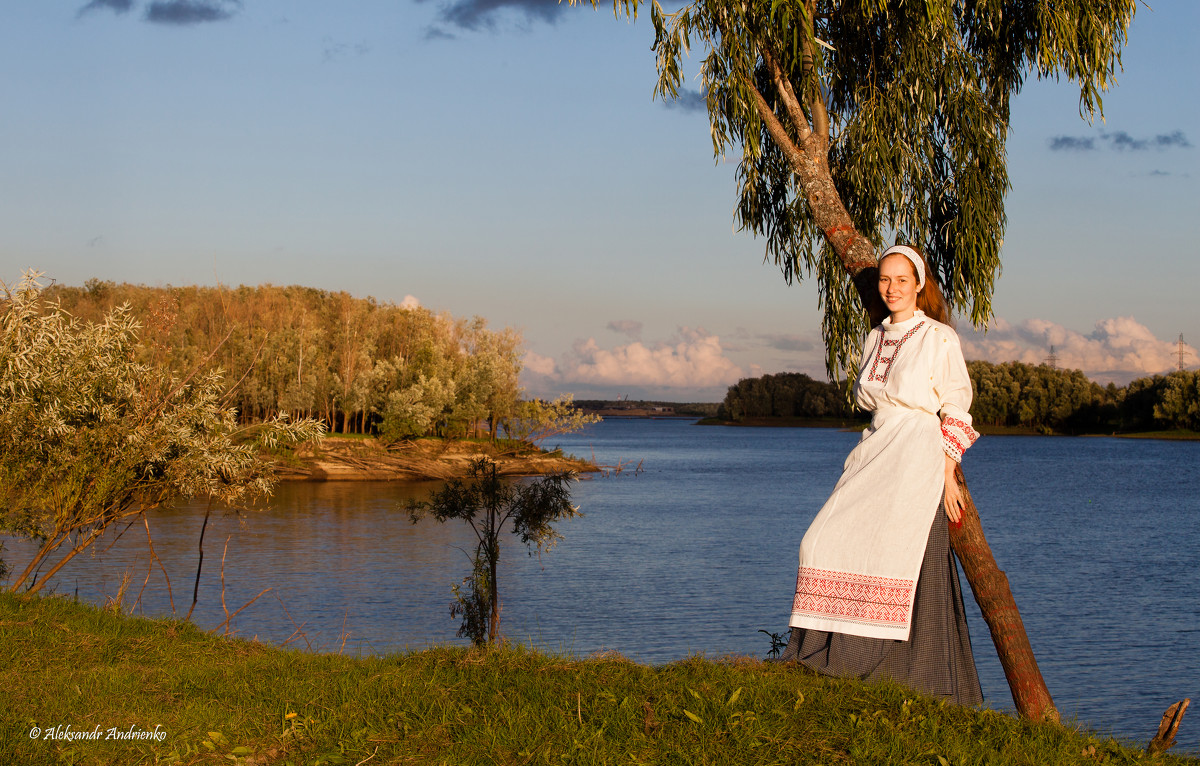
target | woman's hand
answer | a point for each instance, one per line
(955, 502)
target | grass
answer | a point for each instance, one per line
(217, 700)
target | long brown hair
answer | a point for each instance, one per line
(930, 298)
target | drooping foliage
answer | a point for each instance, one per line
(862, 122)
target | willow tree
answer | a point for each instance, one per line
(865, 121)
(91, 439)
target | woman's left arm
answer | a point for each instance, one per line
(952, 385)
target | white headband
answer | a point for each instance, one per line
(911, 255)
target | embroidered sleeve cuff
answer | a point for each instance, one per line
(957, 436)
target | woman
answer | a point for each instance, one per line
(877, 593)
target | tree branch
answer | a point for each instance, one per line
(816, 101)
(791, 151)
(787, 95)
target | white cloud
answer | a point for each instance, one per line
(410, 302)
(1117, 350)
(538, 364)
(689, 365)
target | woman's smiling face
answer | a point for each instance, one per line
(898, 286)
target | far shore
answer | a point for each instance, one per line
(986, 430)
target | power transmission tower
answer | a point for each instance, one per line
(1052, 359)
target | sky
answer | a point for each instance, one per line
(506, 159)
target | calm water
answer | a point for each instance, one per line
(697, 552)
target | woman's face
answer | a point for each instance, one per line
(898, 286)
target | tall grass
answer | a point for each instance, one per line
(216, 700)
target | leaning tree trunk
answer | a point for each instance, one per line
(990, 587)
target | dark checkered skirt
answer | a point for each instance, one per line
(936, 658)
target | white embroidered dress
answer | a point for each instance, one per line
(860, 558)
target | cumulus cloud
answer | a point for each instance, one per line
(690, 364)
(692, 360)
(410, 302)
(626, 327)
(116, 6)
(1119, 141)
(188, 12)
(1116, 350)
(538, 364)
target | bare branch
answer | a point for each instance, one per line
(814, 97)
(787, 95)
(778, 132)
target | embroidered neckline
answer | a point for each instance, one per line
(887, 361)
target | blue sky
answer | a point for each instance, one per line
(505, 158)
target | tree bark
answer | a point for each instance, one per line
(990, 588)
(1165, 738)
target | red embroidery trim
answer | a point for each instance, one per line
(854, 597)
(888, 361)
(969, 433)
(950, 438)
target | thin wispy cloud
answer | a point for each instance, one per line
(1072, 144)
(335, 51)
(787, 342)
(116, 6)
(477, 15)
(687, 101)
(628, 327)
(188, 12)
(1119, 141)
(171, 12)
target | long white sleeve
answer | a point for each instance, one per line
(952, 386)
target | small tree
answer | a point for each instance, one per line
(488, 502)
(535, 420)
(90, 438)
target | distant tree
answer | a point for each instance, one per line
(489, 503)
(414, 410)
(91, 438)
(313, 353)
(784, 394)
(1179, 401)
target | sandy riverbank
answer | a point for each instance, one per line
(359, 459)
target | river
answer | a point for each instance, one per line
(696, 553)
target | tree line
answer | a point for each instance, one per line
(1008, 394)
(357, 364)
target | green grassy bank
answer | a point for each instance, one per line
(199, 698)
